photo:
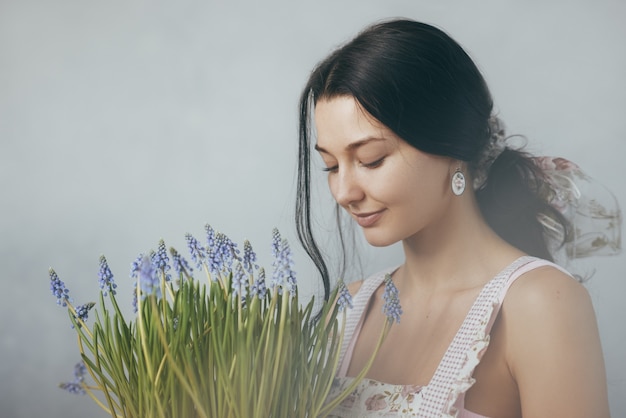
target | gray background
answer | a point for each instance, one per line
(122, 122)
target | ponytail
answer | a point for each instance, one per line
(513, 199)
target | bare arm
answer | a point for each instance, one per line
(554, 353)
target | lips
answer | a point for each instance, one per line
(367, 219)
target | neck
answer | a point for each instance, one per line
(457, 251)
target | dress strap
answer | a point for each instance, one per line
(355, 317)
(453, 376)
(465, 374)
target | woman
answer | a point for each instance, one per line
(404, 124)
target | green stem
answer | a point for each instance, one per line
(327, 409)
(181, 376)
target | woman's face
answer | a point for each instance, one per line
(391, 189)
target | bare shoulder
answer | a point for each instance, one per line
(547, 288)
(553, 342)
(546, 307)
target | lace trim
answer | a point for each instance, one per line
(473, 356)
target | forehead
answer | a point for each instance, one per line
(341, 120)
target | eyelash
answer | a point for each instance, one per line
(373, 164)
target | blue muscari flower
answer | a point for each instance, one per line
(391, 308)
(198, 252)
(149, 279)
(216, 243)
(345, 298)
(82, 312)
(161, 261)
(249, 257)
(180, 264)
(213, 259)
(225, 251)
(79, 371)
(136, 266)
(239, 281)
(58, 289)
(210, 236)
(276, 239)
(259, 287)
(214, 262)
(214, 256)
(135, 269)
(134, 301)
(277, 279)
(105, 277)
(283, 274)
(76, 386)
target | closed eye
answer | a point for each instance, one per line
(374, 164)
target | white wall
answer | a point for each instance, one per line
(122, 122)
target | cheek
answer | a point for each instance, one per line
(424, 189)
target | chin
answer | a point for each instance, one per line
(379, 240)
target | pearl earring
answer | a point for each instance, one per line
(458, 182)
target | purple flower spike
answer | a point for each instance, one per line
(73, 388)
(225, 251)
(134, 301)
(198, 252)
(136, 266)
(58, 289)
(259, 287)
(249, 257)
(79, 371)
(276, 239)
(161, 261)
(210, 237)
(181, 266)
(214, 256)
(149, 279)
(283, 274)
(76, 386)
(239, 283)
(82, 312)
(391, 308)
(344, 300)
(105, 277)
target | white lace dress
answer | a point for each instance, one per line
(444, 396)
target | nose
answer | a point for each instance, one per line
(346, 188)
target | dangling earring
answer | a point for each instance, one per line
(458, 182)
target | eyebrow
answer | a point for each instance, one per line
(354, 145)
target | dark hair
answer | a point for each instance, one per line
(421, 84)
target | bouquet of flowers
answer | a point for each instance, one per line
(231, 345)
